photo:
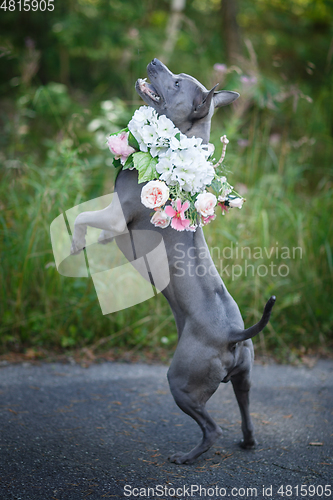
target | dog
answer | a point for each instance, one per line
(213, 346)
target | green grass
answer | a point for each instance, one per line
(289, 205)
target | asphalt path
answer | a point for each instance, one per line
(73, 433)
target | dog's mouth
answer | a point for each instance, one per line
(147, 89)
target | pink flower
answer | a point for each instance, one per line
(248, 80)
(205, 204)
(154, 194)
(178, 220)
(221, 68)
(207, 220)
(225, 208)
(119, 146)
(160, 219)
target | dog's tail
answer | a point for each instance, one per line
(240, 335)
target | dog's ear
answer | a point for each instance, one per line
(202, 102)
(224, 97)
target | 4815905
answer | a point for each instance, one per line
(306, 490)
(27, 5)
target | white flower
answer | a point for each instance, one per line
(205, 204)
(192, 142)
(225, 190)
(166, 128)
(184, 178)
(192, 228)
(142, 145)
(224, 193)
(211, 149)
(165, 167)
(185, 142)
(160, 219)
(204, 175)
(182, 159)
(154, 194)
(149, 135)
(236, 202)
(158, 150)
(142, 116)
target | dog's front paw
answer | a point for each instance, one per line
(249, 444)
(76, 249)
(79, 240)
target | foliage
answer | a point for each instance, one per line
(67, 84)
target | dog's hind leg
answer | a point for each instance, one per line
(241, 385)
(192, 400)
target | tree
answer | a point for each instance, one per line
(172, 29)
(231, 30)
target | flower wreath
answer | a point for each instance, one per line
(176, 168)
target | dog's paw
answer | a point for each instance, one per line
(181, 458)
(75, 249)
(77, 245)
(78, 240)
(249, 444)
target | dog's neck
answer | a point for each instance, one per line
(197, 128)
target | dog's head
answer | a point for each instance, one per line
(180, 97)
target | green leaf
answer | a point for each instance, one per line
(133, 142)
(116, 163)
(146, 166)
(129, 162)
(216, 185)
(178, 136)
(119, 132)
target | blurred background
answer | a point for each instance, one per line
(67, 80)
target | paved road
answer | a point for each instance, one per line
(72, 433)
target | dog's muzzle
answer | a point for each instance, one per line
(148, 89)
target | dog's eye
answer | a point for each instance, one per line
(177, 83)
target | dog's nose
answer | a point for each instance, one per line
(154, 61)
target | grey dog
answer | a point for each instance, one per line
(213, 346)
